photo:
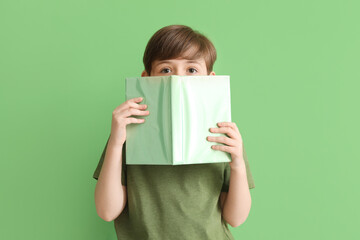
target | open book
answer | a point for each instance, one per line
(182, 110)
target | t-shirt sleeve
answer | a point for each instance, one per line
(123, 169)
(225, 187)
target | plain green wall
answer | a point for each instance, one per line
(294, 68)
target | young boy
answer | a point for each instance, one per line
(157, 202)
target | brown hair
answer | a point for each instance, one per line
(174, 41)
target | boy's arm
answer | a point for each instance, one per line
(110, 194)
(236, 203)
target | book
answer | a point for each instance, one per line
(182, 109)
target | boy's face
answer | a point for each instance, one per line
(178, 66)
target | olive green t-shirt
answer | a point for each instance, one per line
(173, 201)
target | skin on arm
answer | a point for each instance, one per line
(236, 203)
(110, 194)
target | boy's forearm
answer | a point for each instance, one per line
(110, 198)
(238, 201)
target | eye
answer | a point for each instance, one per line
(165, 70)
(193, 70)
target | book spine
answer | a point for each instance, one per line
(176, 120)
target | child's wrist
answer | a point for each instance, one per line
(115, 141)
(239, 167)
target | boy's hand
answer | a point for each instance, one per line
(122, 116)
(233, 141)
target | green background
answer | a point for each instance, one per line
(294, 68)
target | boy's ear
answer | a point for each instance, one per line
(212, 73)
(144, 74)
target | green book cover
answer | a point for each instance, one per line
(182, 109)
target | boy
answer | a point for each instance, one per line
(194, 201)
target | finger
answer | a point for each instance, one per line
(133, 111)
(137, 105)
(134, 120)
(227, 130)
(222, 139)
(136, 100)
(133, 102)
(223, 148)
(233, 126)
(228, 124)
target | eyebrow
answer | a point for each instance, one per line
(188, 61)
